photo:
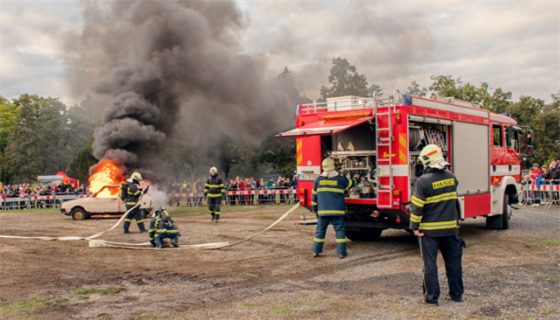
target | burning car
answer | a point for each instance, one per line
(98, 205)
(104, 184)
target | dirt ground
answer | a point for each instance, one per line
(509, 274)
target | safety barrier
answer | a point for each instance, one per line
(38, 201)
(248, 197)
(547, 195)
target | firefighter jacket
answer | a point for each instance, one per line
(131, 193)
(162, 226)
(328, 195)
(214, 187)
(434, 201)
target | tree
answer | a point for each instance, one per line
(23, 156)
(375, 88)
(278, 153)
(8, 116)
(79, 167)
(231, 153)
(344, 80)
(415, 90)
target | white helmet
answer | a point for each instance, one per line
(328, 164)
(136, 176)
(431, 156)
(213, 170)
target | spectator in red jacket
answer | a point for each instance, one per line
(241, 187)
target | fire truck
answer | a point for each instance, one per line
(381, 138)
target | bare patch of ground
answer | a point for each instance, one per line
(509, 274)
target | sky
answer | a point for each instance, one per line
(514, 45)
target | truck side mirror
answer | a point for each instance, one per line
(529, 139)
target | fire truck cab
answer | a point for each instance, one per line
(381, 138)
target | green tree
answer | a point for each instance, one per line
(375, 88)
(79, 167)
(344, 80)
(8, 116)
(23, 153)
(415, 90)
(280, 154)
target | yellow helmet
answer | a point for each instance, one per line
(328, 164)
(213, 170)
(430, 155)
(136, 176)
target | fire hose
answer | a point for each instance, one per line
(147, 245)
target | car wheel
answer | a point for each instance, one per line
(78, 214)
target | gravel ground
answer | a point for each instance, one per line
(508, 274)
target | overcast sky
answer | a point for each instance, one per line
(509, 44)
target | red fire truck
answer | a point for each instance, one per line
(381, 138)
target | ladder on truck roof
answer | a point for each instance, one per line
(384, 140)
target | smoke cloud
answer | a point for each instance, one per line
(155, 62)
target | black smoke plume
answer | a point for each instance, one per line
(155, 62)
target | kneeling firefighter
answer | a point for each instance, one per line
(214, 190)
(130, 194)
(162, 227)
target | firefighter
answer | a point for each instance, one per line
(328, 204)
(434, 221)
(213, 191)
(162, 227)
(130, 193)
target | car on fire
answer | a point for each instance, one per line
(84, 208)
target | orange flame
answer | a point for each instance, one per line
(106, 173)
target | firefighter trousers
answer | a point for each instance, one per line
(133, 214)
(214, 207)
(159, 238)
(320, 232)
(452, 252)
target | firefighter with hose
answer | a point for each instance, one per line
(328, 204)
(433, 219)
(162, 227)
(130, 194)
(213, 191)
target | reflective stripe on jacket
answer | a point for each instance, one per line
(132, 194)
(214, 187)
(157, 229)
(434, 200)
(328, 195)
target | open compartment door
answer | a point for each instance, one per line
(324, 127)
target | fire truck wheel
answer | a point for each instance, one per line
(78, 214)
(364, 234)
(500, 221)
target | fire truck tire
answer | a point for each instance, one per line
(364, 234)
(500, 221)
(78, 214)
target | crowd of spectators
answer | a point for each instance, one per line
(30, 190)
(541, 176)
(240, 184)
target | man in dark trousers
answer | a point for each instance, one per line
(327, 203)
(131, 193)
(214, 189)
(434, 221)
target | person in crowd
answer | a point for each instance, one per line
(253, 185)
(162, 227)
(555, 172)
(433, 220)
(241, 187)
(536, 172)
(214, 191)
(189, 199)
(231, 187)
(270, 186)
(184, 186)
(199, 199)
(248, 187)
(327, 202)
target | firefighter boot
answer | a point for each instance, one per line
(217, 218)
(174, 243)
(126, 231)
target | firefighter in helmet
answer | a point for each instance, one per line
(433, 219)
(162, 227)
(130, 194)
(213, 192)
(328, 204)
